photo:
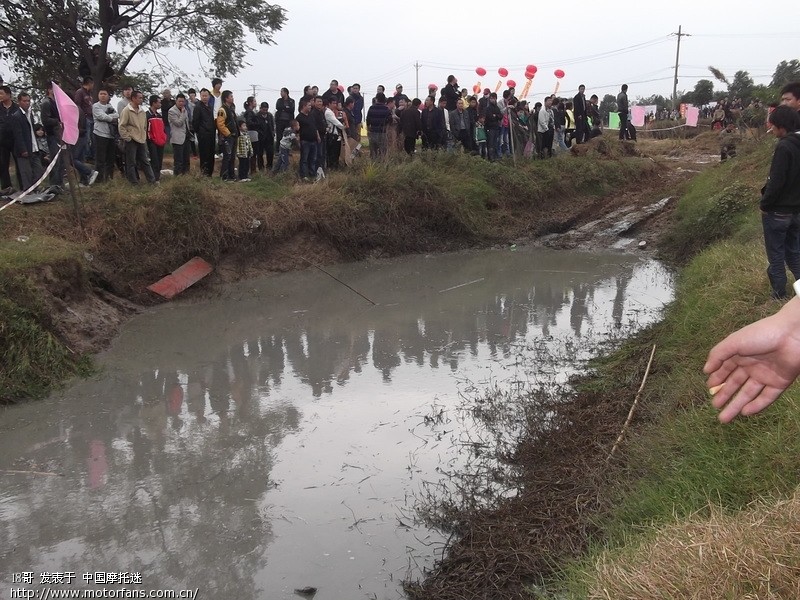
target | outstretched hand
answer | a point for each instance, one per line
(756, 364)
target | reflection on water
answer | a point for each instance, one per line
(269, 440)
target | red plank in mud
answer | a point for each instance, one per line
(181, 278)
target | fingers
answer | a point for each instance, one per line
(721, 353)
(749, 391)
(768, 395)
(733, 377)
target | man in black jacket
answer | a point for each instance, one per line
(411, 125)
(451, 93)
(204, 126)
(434, 130)
(622, 110)
(7, 108)
(51, 121)
(493, 117)
(265, 125)
(579, 109)
(780, 201)
(309, 138)
(26, 153)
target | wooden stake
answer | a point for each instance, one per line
(633, 406)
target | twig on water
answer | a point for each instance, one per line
(633, 406)
(316, 266)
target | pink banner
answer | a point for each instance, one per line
(637, 116)
(692, 114)
(68, 111)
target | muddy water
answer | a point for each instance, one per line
(273, 438)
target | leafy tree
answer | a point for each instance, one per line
(607, 105)
(785, 72)
(703, 92)
(49, 40)
(741, 86)
(655, 99)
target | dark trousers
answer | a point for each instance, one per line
(261, 148)
(180, 154)
(244, 167)
(5, 161)
(205, 148)
(782, 243)
(547, 143)
(409, 144)
(462, 135)
(333, 150)
(623, 124)
(30, 169)
(156, 158)
(228, 168)
(308, 159)
(104, 149)
(136, 155)
(581, 129)
(57, 174)
(492, 138)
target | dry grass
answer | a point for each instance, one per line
(752, 554)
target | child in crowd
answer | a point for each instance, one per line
(41, 144)
(480, 136)
(244, 151)
(289, 135)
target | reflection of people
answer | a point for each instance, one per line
(755, 364)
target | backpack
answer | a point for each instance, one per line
(156, 132)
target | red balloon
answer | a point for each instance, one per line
(480, 71)
(503, 72)
(511, 83)
(531, 69)
(558, 73)
(476, 88)
(529, 74)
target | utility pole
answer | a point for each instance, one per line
(254, 86)
(417, 67)
(677, 59)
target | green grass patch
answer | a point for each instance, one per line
(35, 251)
(680, 460)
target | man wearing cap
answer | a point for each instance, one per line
(399, 95)
(333, 93)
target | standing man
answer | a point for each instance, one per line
(622, 110)
(333, 93)
(266, 136)
(378, 118)
(7, 108)
(546, 127)
(105, 122)
(309, 138)
(399, 95)
(780, 201)
(358, 107)
(318, 114)
(461, 125)
(29, 163)
(190, 104)
(126, 98)
(179, 135)
(214, 100)
(52, 129)
(83, 99)
(284, 113)
(451, 93)
(493, 117)
(166, 103)
(411, 126)
(205, 127)
(133, 130)
(228, 131)
(581, 113)
(156, 136)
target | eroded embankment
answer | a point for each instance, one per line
(68, 284)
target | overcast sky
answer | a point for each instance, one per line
(377, 42)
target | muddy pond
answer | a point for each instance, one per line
(277, 435)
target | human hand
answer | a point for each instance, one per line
(756, 364)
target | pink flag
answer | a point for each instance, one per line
(68, 111)
(637, 116)
(692, 114)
